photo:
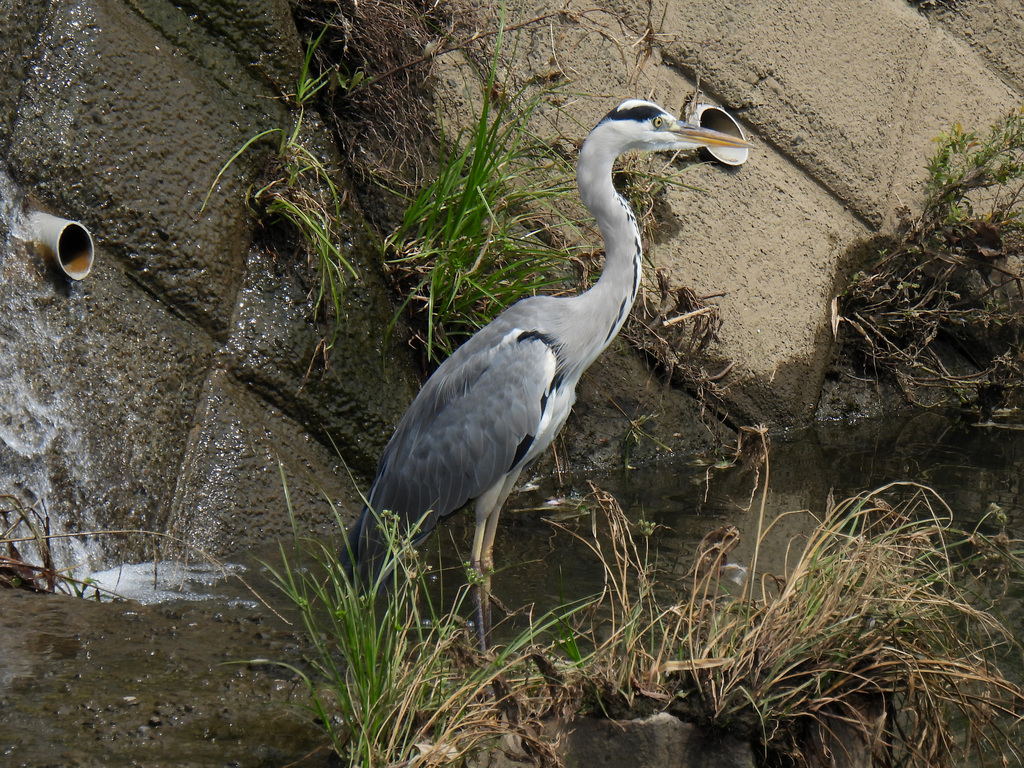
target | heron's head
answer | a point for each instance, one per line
(642, 125)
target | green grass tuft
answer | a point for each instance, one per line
(488, 229)
(396, 677)
(298, 191)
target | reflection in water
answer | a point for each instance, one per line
(974, 469)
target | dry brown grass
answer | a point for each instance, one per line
(884, 627)
(382, 118)
(20, 525)
(939, 309)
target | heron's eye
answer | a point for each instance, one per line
(658, 122)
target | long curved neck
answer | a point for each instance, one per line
(606, 305)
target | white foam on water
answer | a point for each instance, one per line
(150, 583)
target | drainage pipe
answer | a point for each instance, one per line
(716, 118)
(68, 243)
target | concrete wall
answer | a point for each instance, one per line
(161, 392)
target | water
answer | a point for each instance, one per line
(42, 444)
(151, 680)
(153, 583)
(977, 470)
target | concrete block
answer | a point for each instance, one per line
(230, 497)
(126, 128)
(659, 741)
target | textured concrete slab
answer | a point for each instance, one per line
(229, 496)
(994, 29)
(97, 386)
(765, 243)
(843, 102)
(123, 128)
(122, 115)
(840, 87)
(353, 403)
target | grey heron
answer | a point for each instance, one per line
(499, 401)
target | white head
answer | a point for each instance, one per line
(640, 125)
(636, 124)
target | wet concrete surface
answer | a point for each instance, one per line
(162, 393)
(86, 684)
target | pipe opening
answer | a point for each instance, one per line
(74, 250)
(719, 120)
(67, 243)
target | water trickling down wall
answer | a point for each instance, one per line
(41, 443)
(160, 394)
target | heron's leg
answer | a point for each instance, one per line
(482, 569)
(483, 564)
(482, 598)
(485, 503)
(488, 509)
(487, 545)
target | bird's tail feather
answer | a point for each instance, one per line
(351, 556)
(366, 557)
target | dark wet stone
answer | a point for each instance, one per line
(168, 383)
(659, 740)
(119, 126)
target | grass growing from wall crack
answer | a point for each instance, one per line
(940, 308)
(298, 191)
(487, 230)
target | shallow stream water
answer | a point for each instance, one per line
(161, 680)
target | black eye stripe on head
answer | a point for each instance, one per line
(640, 112)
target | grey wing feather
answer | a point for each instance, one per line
(461, 434)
